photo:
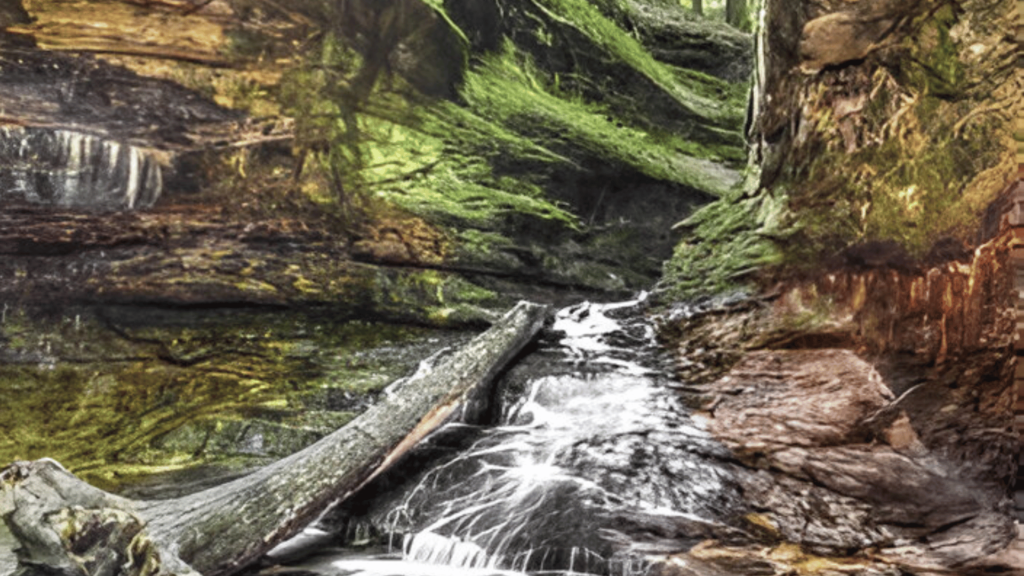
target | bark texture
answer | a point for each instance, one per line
(66, 525)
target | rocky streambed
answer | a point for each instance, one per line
(189, 290)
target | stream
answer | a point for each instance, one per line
(588, 464)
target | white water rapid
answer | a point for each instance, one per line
(593, 468)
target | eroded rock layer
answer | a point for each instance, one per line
(870, 409)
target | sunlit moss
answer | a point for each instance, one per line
(506, 88)
(936, 69)
(583, 16)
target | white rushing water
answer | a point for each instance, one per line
(76, 170)
(590, 446)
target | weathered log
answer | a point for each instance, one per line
(62, 524)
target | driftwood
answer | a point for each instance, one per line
(66, 526)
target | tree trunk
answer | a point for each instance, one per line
(698, 7)
(59, 520)
(736, 14)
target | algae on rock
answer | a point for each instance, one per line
(117, 394)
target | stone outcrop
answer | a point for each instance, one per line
(870, 409)
(72, 169)
(76, 132)
(862, 370)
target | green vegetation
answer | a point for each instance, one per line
(729, 240)
(618, 44)
(143, 388)
(909, 174)
(525, 159)
(502, 159)
(898, 152)
(508, 88)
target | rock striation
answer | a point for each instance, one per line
(870, 410)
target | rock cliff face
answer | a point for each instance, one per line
(865, 382)
(872, 408)
(552, 111)
(194, 156)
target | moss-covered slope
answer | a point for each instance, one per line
(566, 131)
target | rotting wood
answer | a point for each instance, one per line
(64, 524)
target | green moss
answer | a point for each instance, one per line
(507, 88)
(729, 240)
(469, 194)
(911, 188)
(583, 16)
(903, 168)
(936, 67)
(174, 376)
(445, 299)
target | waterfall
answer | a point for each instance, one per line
(593, 467)
(76, 170)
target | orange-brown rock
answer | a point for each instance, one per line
(870, 408)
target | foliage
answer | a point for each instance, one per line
(320, 97)
(432, 158)
(586, 18)
(490, 159)
(902, 148)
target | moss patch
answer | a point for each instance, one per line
(728, 241)
(236, 383)
(507, 88)
(617, 43)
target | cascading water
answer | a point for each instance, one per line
(595, 466)
(76, 170)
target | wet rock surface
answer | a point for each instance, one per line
(591, 466)
(79, 132)
(158, 402)
(681, 39)
(865, 423)
(791, 415)
(203, 255)
(48, 88)
(71, 169)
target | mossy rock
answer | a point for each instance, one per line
(119, 394)
(898, 154)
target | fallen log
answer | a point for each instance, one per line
(66, 526)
